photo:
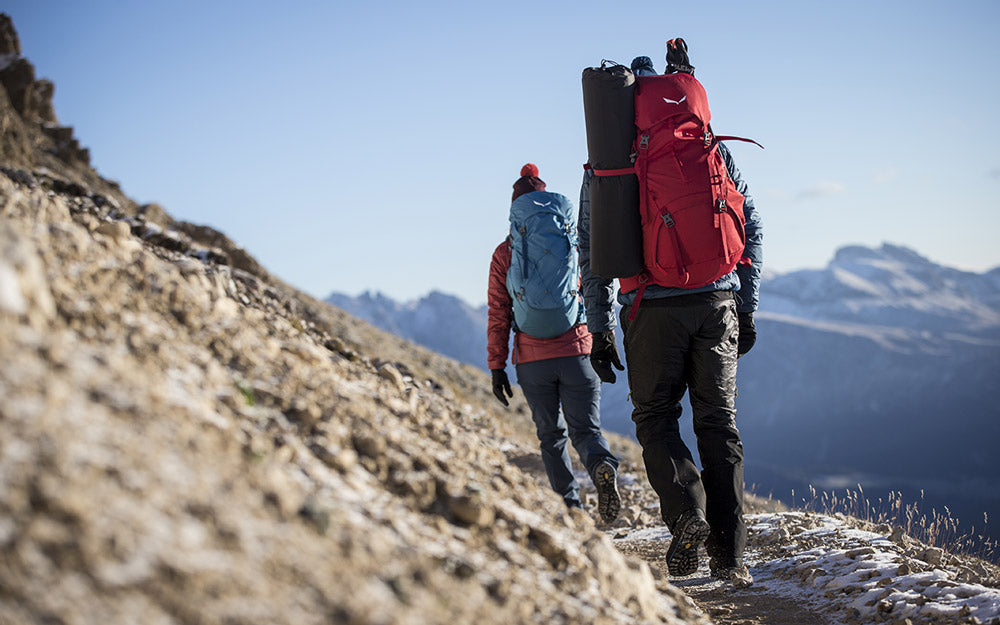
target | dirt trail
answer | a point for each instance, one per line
(723, 604)
(720, 601)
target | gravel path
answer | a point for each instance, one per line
(720, 601)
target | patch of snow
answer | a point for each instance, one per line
(854, 282)
(863, 574)
(658, 532)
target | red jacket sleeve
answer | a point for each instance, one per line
(500, 311)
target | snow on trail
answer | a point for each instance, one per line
(826, 566)
(866, 575)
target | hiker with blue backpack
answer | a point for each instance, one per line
(664, 210)
(534, 292)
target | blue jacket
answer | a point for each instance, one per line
(744, 280)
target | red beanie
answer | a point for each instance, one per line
(528, 182)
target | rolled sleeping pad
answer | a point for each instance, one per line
(615, 224)
(615, 227)
(609, 114)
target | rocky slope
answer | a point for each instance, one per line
(185, 439)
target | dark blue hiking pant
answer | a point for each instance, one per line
(569, 382)
(688, 343)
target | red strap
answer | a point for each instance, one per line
(614, 172)
(730, 138)
(635, 305)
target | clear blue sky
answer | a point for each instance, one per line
(372, 145)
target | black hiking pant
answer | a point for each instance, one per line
(688, 343)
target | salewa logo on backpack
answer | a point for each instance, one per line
(544, 272)
(669, 101)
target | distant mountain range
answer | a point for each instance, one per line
(439, 321)
(878, 369)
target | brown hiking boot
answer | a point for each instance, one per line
(609, 502)
(690, 531)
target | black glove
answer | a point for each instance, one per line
(604, 354)
(748, 333)
(677, 57)
(501, 386)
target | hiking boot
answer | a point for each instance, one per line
(690, 531)
(609, 502)
(738, 575)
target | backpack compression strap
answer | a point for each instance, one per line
(610, 172)
(731, 138)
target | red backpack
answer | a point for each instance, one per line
(691, 213)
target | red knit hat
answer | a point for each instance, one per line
(528, 182)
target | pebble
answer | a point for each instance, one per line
(369, 445)
(859, 552)
(118, 231)
(470, 509)
(391, 373)
(932, 555)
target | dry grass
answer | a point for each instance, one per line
(933, 527)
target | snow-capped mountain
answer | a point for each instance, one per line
(878, 369)
(893, 287)
(439, 321)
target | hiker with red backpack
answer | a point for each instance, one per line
(688, 294)
(534, 291)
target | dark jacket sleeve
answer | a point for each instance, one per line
(598, 292)
(500, 312)
(749, 269)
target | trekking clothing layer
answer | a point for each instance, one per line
(598, 292)
(573, 342)
(688, 343)
(569, 383)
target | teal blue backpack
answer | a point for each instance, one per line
(544, 275)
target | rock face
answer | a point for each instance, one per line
(32, 136)
(186, 440)
(31, 98)
(10, 43)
